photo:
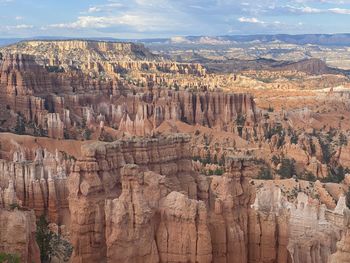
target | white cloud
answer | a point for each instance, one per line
(94, 9)
(22, 26)
(140, 22)
(253, 20)
(340, 11)
(103, 8)
(18, 27)
(310, 10)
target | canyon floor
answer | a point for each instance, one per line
(112, 153)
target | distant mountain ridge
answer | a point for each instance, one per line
(303, 39)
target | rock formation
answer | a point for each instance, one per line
(302, 231)
(39, 185)
(342, 254)
(163, 201)
(17, 235)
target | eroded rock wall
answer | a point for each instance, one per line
(17, 235)
(165, 211)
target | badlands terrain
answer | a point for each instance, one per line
(110, 152)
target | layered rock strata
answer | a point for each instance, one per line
(39, 185)
(165, 211)
(17, 235)
(303, 231)
(53, 101)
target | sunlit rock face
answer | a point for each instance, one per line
(142, 200)
(17, 235)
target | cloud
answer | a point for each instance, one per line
(94, 9)
(138, 22)
(253, 20)
(310, 10)
(22, 26)
(109, 7)
(195, 17)
(17, 27)
(341, 11)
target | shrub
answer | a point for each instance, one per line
(50, 244)
(287, 169)
(265, 174)
(218, 171)
(326, 151)
(240, 120)
(55, 69)
(335, 175)
(20, 126)
(275, 160)
(343, 140)
(9, 258)
(14, 206)
(43, 238)
(87, 134)
(294, 138)
(309, 176)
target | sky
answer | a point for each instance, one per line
(168, 18)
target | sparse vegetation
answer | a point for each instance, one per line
(50, 244)
(20, 125)
(43, 238)
(336, 175)
(265, 174)
(326, 150)
(287, 168)
(87, 134)
(54, 69)
(240, 121)
(309, 176)
(343, 140)
(9, 258)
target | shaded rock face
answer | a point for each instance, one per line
(301, 232)
(53, 101)
(342, 254)
(17, 235)
(39, 185)
(149, 225)
(20, 76)
(165, 211)
(211, 109)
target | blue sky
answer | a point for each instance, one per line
(165, 18)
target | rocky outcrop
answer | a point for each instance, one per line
(222, 110)
(55, 126)
(17, 235)
(146, 224)
(342, 254)
(50, 102)
(302, 232)
(165, 212)
(99, 56)
(97, 176)
(39, 185)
